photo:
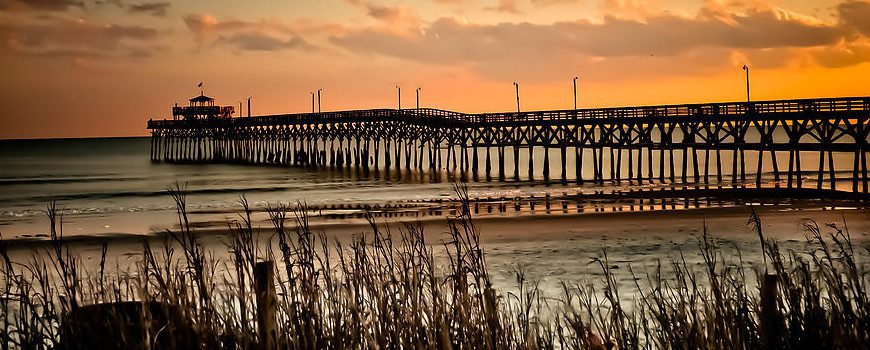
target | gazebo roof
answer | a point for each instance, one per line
(201, 98)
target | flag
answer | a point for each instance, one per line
(200, 84)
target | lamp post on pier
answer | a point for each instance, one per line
(249, 106)
(746, 68)
(318, 100)
(517, 86)
(575, 93)
(312, 102)
(399, 93)
(418, 97)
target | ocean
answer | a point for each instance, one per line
(108, 186)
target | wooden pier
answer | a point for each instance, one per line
(692, 143)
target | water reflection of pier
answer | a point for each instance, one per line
(598, 201)
(717, 143)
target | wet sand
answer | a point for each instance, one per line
(784, 223)
(549, 248)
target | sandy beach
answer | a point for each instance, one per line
(550, 248)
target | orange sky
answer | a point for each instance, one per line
(75, 68)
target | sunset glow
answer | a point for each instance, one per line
(100, 69)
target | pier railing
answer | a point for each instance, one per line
(429, 115)
(685, 110)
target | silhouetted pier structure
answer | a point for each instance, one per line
(638, 143)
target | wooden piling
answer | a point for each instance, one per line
(267, 305)
(771, 327)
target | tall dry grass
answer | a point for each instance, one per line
(393, 289)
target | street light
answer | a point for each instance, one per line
(312, 102)
(517, 86)
(399, 93)
(318, 100)
(249, 106)
(746, 68)
(575, 92)
(418, 97)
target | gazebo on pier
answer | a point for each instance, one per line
(202, 107)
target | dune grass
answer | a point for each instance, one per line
(393, 289)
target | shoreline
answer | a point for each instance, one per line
(512, 226)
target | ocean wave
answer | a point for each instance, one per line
(77, 197)
(209, 198)
(57, 180)
(151, 194)
(12, 215)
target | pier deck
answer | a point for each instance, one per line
(707, 142)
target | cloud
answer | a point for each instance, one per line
(636, 9)
(157, 9)
(506, 6)
(265, 35)
(261, 42)
(856, 15)
(843, 54)
(552, 2)
(451, 41)
(393, 19)
(74, 38)
(52, 5)
(201, 26)
(385, 13)
(775, 36)
(669, 34)
(39, 5)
